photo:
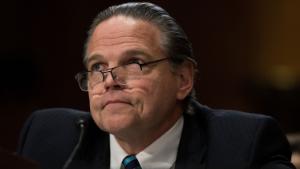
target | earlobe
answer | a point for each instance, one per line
(186, 80)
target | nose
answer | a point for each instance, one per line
(109, 81)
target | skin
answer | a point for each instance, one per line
(142, 110)
(296, 159)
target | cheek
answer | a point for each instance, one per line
(142, 89)
(95, 111)
(94, 104)
(149, 93)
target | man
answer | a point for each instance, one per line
(140, 83)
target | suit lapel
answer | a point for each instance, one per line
(192, 146)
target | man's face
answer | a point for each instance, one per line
(145, 104)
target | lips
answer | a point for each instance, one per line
(114, 102)
(111, 97)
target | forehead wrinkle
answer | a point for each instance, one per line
(136, 34)
(111, 41)
(121, 27)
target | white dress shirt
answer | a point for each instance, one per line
(161, 154)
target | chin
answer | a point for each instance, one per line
(116, 124)
(116, 130)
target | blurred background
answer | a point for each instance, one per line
(248, 54)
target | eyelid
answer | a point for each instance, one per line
(135, 60)
(93, 66)
(139, 59)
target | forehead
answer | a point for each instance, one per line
(121, 33)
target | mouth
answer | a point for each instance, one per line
(110, 102)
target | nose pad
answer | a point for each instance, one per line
(108, 78)
(110, 82)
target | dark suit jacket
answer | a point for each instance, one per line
(212, 139)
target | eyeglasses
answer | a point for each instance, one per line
(121, 74)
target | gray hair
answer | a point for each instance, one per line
(174, 41)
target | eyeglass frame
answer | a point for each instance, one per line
(110, 70)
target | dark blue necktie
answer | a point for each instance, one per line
(130, 162)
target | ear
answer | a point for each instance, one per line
(185, 79)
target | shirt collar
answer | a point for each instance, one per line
(161, 153)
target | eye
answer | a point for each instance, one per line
(135, 60)
(97, 67)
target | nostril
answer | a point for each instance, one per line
(118, 87)
(113, 86)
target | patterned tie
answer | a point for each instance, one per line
(130, 162)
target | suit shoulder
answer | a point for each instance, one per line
(240, 121)
(233, 115)
(48, 131)
(59, 113)
(51, 122)
(253, 140)
(232, 120)
(56, 116)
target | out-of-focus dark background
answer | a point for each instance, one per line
(248, 54)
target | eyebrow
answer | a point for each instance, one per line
(89, 59)
(125, 55)
(135, 52)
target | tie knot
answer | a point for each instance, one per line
(130, 162)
